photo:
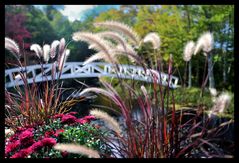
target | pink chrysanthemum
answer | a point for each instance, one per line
(48, 141)
(82, 121)
(72, 113)
(11, 147)
(58, 132)
(90, 117)
(22, 153)
(36, 146)
(26, 137)
(58, 116)
(68, 119)
(49, 133)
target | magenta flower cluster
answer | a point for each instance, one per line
(22, 143)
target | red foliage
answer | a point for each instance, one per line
(15, 29)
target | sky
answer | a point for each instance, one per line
(77, 12)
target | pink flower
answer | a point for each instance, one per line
(20, 129)
(72, 113)
(36, 146)
(58, 116)
(26, 138)
(89, 117)
(68, 119)
(49, 133)
(25, 135)
(22, 153)
(48, 141)
(13, 137)
(12, 146)
(64, 154)
(82, 121)
(58, 132)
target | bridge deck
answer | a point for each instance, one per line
(78, 70)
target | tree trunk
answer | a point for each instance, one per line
(185, 75)
(190, 74)
(224, 69)
(190, 64)
(197, 74)
(210, 64)
(210, 71)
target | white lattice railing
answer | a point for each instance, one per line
(78, 70)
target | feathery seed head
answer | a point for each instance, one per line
(122, 28)
(62, 45)
(12, 46)
(221, 103)
(188, 51)
(115, 36)
(96, 90)
(46, 52)
(97, 56)
(37, 49)
(153, 38)
(213, 91)
(205, 43)
(97, 43)
(110, 121)
(77, 149)
(54, 45)
(143, 89)
(63, 58)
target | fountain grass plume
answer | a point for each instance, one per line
(37, 49)
(121, 28)
(54, 45)
(154, 39)
(188, 51)
(97, 56)
(110, 121)
(12, 46)
(221, 103)
(205, 43)
(77, 149)
(115, 36)
(46, 52)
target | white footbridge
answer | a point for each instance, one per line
(96, 69)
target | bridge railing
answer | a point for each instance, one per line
(95, 69)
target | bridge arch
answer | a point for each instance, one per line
(95, 69)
